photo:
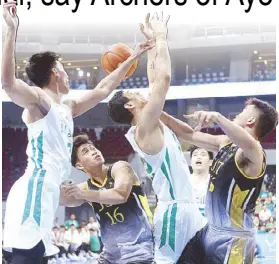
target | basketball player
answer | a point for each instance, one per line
(177, 217)
(34, 198)
(118, 199)
(201, 161)
(236, 177)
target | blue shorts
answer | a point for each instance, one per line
(213, 245)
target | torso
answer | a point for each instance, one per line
(231, 194)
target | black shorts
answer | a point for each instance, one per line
(34, 255)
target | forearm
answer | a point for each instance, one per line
(69, 201)
(236, 133)
(110, 82)
(110, 196)
(102, 90)
(163, 62)
(8, 60)
(177, 126)
(151, 59)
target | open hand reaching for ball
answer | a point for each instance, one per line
(142, 48)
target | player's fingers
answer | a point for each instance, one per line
(8, 6)
(201, 119)
(167, 20)
(191, 116)
(156, 16)
(208, 118)
(162, 17)
(147, 19)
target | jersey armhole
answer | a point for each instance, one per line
(250, 177)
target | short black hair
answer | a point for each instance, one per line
(193, 148)
(77, 142)
(39, 67)
(268, 119)
(72, 225)
(116, 110)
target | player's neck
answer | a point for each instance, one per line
(99, 174)
(53, 94)
(199, 176)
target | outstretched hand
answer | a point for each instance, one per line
(10, 15)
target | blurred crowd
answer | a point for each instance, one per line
(76, 241)
(265, 213)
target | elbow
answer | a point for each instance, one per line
(123, 199)
(166, 78)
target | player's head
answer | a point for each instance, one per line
(72, 227)
(83, 223)
(62, 229)
(91, 219)
(55, 229)
(201, 159)
(73, 217)
(125, 105)
(258, 116)
(85, 156)
(44, 69)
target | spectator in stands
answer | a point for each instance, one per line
(271, 225)
(274, 213)
(272, 197)
(95, 245)
(269, 205)
(62, 241)
(73, 239)
(72, 221)
(264, 214)
(262, 229)
(258, 207)
(256, 221)
(93, 224)
(85, 241)
(83, 224)
(56, 241)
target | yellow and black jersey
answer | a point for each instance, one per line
(122, 223)
(232, 195)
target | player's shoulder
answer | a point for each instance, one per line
(223, 140)
(120, 164)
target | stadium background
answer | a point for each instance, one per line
(214, 67)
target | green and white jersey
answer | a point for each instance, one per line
(168, 169)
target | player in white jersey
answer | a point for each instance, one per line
(201, 160)
(34, 198)
(177, 217)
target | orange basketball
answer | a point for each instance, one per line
(115, 55)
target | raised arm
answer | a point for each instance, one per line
(251, 148)
(124, 179)
(19, 92)
(151, 113)
(91, 98)
(184, 132)
(147, 31)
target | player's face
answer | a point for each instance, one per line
(89, 157)
(200, 160)
(248, 113)
(63, 78)
(136, 99)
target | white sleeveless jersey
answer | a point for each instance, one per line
(200, 191)
(168, 169)
(34, 198)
